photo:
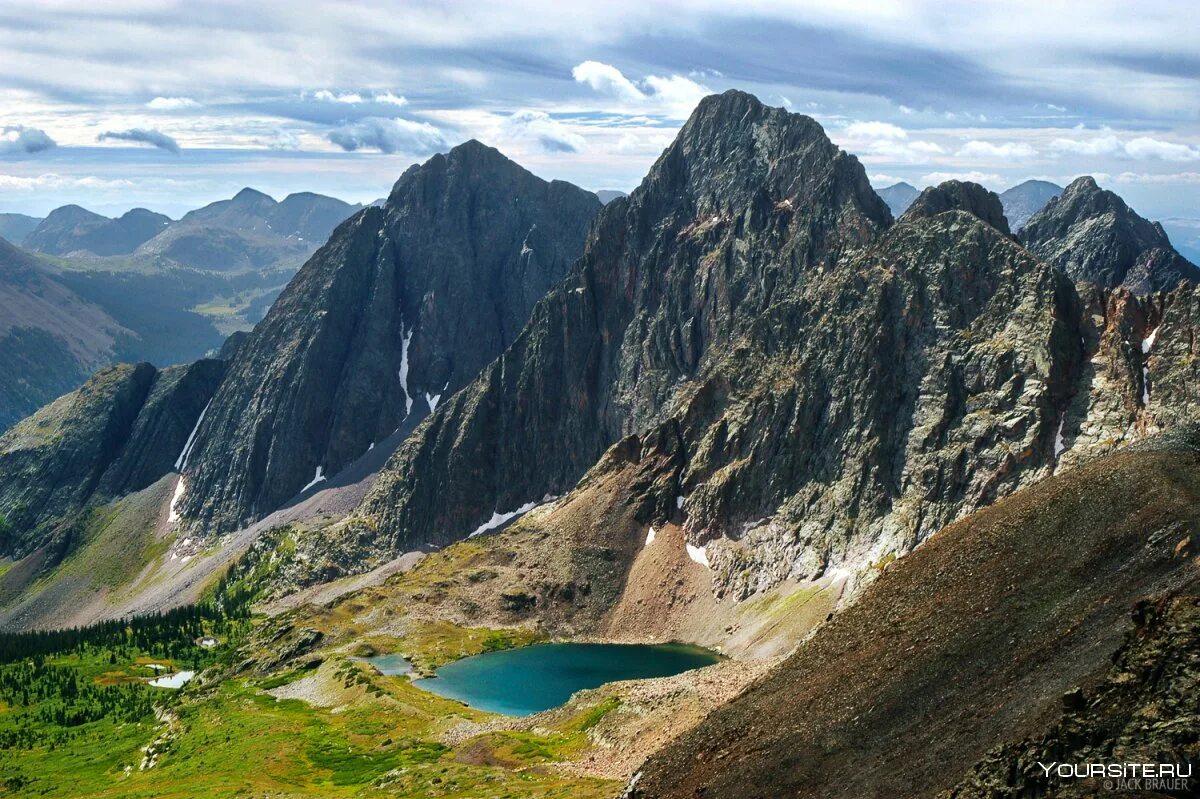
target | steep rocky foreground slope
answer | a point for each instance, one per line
(968, 643)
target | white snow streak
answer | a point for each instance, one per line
(699, 555)
(181, 461)
(499, 519)
(173, 513)
(1147, 343)
(432, 399)
(679, 502)
(1060, 445)
(650, 536)
(408, 396)
(317, 478)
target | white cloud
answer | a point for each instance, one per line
(389, 99)
(550, 134)
(1008, 151)
(389, 136)
(1141, 148)
(171, 103)
(988, 179)
(326, 96)
(1179, 178)
(875, 130)
(23, 140)
(675, 95)
(607, 79)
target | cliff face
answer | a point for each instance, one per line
(121, 431)
(1092, 235)
(402, 307)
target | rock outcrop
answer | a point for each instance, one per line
(1091, 234)
(402, 307)
(957, 195)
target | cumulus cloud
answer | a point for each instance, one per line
(675, 95)
(154, 138)
(171, 103)
(1178, 178)
(388, 136)
(1141, 148)
(550, 134)
(18, 139)
(885, 141)
(1008, 151)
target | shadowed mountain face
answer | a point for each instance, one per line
(1091, 234)
(73, 229)
(1026, 199)
(972, 641)
(401, 308)
(119, 432)
(898, 197)
(51, 339)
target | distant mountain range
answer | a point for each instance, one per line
(147, 287)
(899, 196)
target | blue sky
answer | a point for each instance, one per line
(170, 105)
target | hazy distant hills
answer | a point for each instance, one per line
(1026, 199)
(608, 195)
(898, 196)
(149, 287)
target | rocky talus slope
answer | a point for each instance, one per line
(972, 641)
(402, 307)
(1146, 709)
(1091, 234)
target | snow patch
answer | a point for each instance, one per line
(679, 502)
(181, 461)
(433, 400)
(317, 478)
(525, 248)
(1148, 341)
(173, 513)
(650, 536)
(408, 396)
(208, 642)
(1060, 445)
(698, 555)
(499, 519)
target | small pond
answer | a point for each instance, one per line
(391, 665)
(520, 682)
(176, 680)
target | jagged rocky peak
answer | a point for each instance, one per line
(402, 307)
(735, 149)
(1093, 235)
(750, 304)
(958, 195)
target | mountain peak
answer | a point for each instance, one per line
(252, 195)
(1092, 234)
(957, 195)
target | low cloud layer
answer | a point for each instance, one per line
(154, 138)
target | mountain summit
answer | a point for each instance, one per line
(402, 307)
(1091, 234)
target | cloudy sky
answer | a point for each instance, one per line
(169, 105)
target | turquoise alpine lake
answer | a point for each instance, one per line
(520, 682)
(391, 665)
